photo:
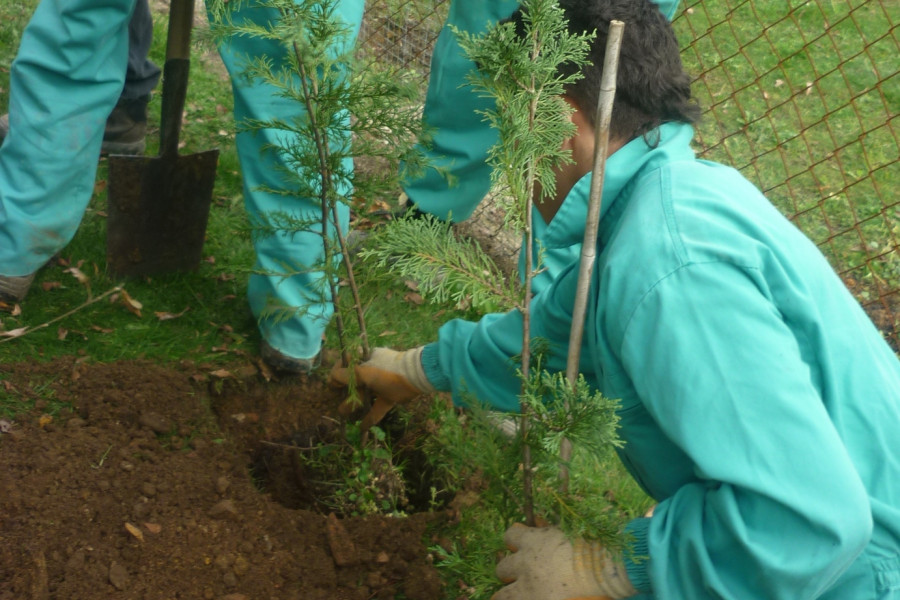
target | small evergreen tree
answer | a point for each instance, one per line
(346, 109)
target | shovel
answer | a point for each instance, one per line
(158, 206)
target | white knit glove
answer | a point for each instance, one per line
(545, 565)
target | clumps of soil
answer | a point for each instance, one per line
(121, 483)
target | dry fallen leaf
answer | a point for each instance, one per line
(45, 420)
(264, 370)
(79, 275)
(166, 316)
(102, 329)
(130, 303)
(153, 528)
(14, 333)
(14, 309)
(413, 285)
(221, 373)
(248, 417)
(387, 333)
(134, 531)
(5, 426)
(50, 285)
(61, 333)
(414, 298)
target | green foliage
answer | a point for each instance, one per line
(521, 72)
(356, 479)
(446, 268)
(479, 454)
(467, 562)
(15, 401)
(515, 462)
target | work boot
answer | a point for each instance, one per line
(287, 364)
(14, 288)
(126, 128)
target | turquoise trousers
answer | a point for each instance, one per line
(452, 110)
(286, 272)
(66, 78)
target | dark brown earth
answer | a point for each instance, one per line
(143, 490)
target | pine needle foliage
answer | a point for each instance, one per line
(345, 109)
(481, 454)
(519, 66)
(520, 70)
(445, 267)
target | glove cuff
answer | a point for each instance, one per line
(411, 362)
(607, 570)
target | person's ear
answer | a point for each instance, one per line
(574, 117)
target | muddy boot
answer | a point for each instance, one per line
(14, 288)
(126, 127)
(287, 364)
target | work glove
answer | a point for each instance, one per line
(393, 377)
(545, 565)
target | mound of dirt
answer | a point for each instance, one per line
(142, 490)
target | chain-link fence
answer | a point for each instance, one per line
(801, 95)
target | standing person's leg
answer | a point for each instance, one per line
(294, 343)
(142, 74)
(64, 81)
(126, 127)
(461, 136)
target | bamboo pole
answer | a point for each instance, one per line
(589, 246)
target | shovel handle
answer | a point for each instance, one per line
(175, 74)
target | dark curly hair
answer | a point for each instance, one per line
(652, 87)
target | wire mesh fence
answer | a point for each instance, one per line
(802, 96)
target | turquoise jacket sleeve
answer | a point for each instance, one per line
(477, 359)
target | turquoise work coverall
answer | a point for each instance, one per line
(759, 404)
(66, 78)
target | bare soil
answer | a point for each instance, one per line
(141, 487)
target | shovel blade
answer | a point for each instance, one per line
(158, 208)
